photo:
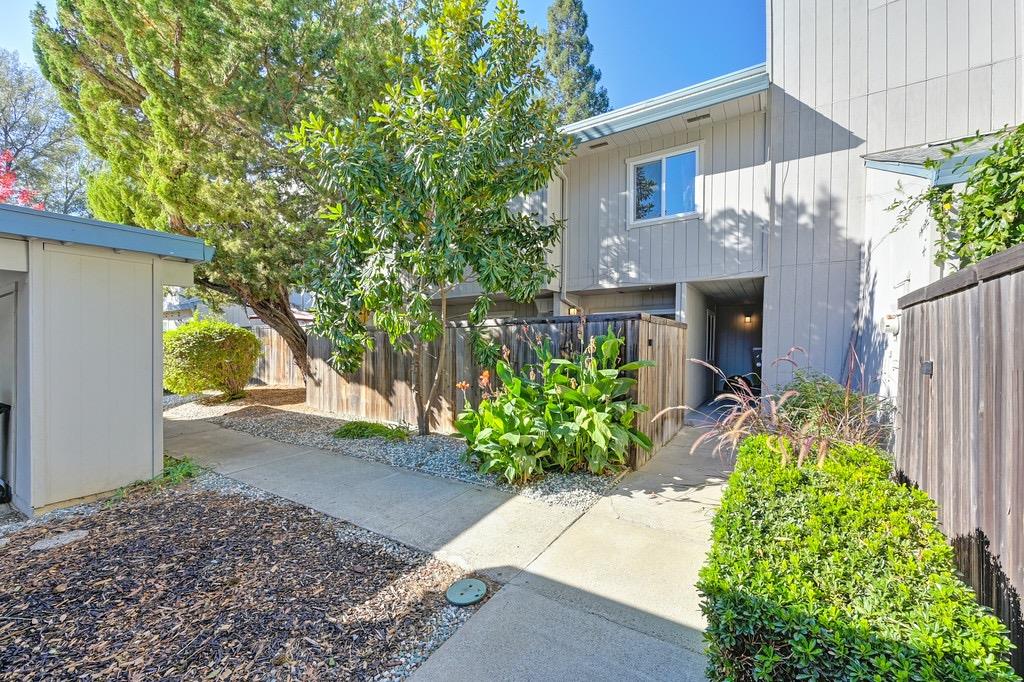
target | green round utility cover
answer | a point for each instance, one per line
(466, 592)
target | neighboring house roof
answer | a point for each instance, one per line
(950, 169)
(32, 224)
(709, 93)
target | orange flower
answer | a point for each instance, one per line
(462, 386)
(485, 378)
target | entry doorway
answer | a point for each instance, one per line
(730, 312)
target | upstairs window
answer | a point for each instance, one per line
(663, 186)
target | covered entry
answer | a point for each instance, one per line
(724, 317)
(80, 352)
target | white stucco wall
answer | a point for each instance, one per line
(897, 260)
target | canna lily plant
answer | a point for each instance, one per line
(558, 414)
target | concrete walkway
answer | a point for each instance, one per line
(613, 598)
(478, 529)
(608, 595)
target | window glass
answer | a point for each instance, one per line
(647, 190)
(680, 176)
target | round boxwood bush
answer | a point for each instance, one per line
(206, 354)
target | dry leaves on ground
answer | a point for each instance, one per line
(192, 584)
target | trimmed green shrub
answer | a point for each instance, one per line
(557, 414)
(207, 354)
(358, 429)
(838, 573)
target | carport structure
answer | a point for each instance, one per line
(81, 352)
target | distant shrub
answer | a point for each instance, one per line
(207, 354)
(359, 429)
(838, 573)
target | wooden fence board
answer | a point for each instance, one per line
(960, 431)
(381, 390)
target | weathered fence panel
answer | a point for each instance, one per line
(276, 366)
(960, 422)
(382, 388)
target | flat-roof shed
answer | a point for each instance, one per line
(81, 352)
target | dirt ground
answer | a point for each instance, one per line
(190, 583)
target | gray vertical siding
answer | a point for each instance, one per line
(726, 240)
(852, 77)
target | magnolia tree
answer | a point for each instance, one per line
(422, 186)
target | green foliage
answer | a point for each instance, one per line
(175, 471)
(178, 470)
(186, 102)
(46, 155)
(359, 429)
(986, 216)
(575, 83)
(838, 573)
(823, 407)
(423, 185)
(557, 414)
(208, 354)
(806, 416)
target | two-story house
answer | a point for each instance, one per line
(754, 206)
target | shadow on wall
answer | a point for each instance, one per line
(813, 283)
(871, 340)
(984, 573)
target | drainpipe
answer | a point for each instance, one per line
(563, 294)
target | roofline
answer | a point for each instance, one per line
(715, 91)
(950, 171)
(33, 224)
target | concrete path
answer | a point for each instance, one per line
(478, 529)
(613, 598)
(608, 595)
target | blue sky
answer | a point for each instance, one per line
(644, 48)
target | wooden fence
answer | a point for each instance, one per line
(960, 424)
(382, 388)
(275, 366)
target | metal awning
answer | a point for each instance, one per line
(941, 163)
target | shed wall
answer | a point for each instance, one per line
(94, 360)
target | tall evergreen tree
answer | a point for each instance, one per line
(575, 88)
(187, 101)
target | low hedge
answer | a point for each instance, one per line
(838, 573)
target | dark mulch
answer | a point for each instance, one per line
(189, 584)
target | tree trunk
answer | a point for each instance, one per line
(419, 351)
(277, 313)
(424, 405)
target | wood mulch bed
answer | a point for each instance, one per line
(187, 583)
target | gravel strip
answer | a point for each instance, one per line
(281, 414)
(437, 455)
(217, 580)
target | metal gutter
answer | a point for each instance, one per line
(715, 91)
(32, 224)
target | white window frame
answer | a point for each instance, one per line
(698, 185)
